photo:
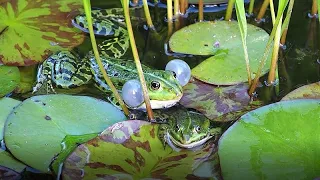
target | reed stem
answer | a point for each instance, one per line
(137, 60)
(176, 7)
(87, 8)
(229, 10)
(169, 10)
(273, 16)
(182, 6)
(263, 9)
(314, 9)
(286, 22)
(147, 14)
(251, 6)
(274, 60)
(200, 5)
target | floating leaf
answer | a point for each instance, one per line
(310, 91)
(214, 101)
(27, 78)
(277, 141)
(132, 150)
(9, 79)
(9, 166)
(31, 30)
(223, 38)
(38, 129)
(6, 106)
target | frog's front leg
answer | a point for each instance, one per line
(215, 131)
(63, 69)
(162, 134)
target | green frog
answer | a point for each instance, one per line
(181, 128)
(65, 69)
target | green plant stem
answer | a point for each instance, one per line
(229, 10)
(169, 10)
(87, 8)
(273, 16)
(251, 6)
(263, 9)
(286, 22)
(282, 6)
(147, 14)
(200, 10)
(137, 60)
(274, 60)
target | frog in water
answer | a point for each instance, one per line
(67, 70)
(181, 128)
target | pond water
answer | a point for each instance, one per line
(299, 62)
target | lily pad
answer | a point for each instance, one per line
(221, 38)
(28, 76)
(45, 126)
(277, 141)
(132, 150)
(310, 91)
(31, 30)
(6, 106)
(214, 101)
(9, 79)
(9, 166)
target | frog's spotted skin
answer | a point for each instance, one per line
(67, 70)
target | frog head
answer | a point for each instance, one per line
(164, 89)
(187, 130)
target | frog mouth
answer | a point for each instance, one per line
(172, 141)
(158, 104)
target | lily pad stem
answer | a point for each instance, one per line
(87, 8)
(176, 7)
(137, 60)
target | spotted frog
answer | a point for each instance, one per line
(66, 69)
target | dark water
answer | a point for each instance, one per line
(299, 63)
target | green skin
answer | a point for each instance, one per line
(66, 70)
(182, 129)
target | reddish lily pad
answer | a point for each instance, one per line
(214, 101)
(310, 91)
(132, 150)
(31, 30)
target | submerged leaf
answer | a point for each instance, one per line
(36, 130)
(277, 141)
(6, 107)
(31, 30)
(214, 101)
(310, 91)
(9, 79)
(132, 150)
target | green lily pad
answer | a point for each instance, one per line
(310, 91)
(45, 126)
(9, 166)
(222, 39)
(28, 76)
(277, 141)
(9, 79)
(31, 30)
(132, 150)
(214, 101)
(6, 106)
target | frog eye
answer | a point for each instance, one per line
(197, 128)
(155, 85)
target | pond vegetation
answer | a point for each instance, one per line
(159, 89)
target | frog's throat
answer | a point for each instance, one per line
(157, 104)
(191, 145)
